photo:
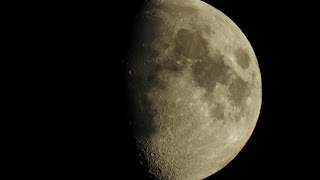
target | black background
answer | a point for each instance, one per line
(80, 89)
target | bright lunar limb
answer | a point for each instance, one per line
(194, 89)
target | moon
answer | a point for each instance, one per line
(194, 89)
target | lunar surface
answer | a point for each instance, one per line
(194, 89)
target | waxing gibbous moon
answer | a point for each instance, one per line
(194, 89)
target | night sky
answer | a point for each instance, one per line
(90, 134)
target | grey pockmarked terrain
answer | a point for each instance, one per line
(194, 88)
